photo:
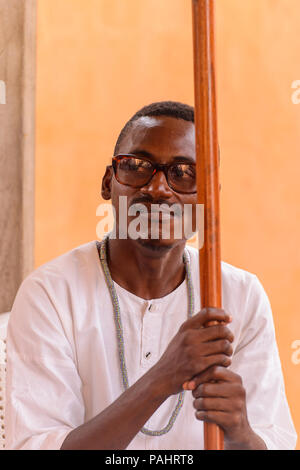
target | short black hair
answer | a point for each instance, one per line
(173, 109)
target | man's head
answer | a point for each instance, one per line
(163, 108)
(161, 133)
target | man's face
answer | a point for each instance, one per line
(161, 140)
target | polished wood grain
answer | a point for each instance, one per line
(207, 170)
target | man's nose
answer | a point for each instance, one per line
(158, 186)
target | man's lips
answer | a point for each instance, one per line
(154, 209)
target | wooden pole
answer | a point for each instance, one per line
(207, 171)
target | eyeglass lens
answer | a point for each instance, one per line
(137, 172)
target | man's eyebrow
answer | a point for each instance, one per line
(182, 158)
(142, 153)
(146, 154)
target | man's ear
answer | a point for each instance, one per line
(106, 183)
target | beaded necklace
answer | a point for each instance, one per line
(102, 250)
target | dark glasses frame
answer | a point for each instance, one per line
(155, 168)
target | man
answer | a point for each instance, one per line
(101, 341)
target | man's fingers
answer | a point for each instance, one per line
(222, 346)
(212, 404)
(208, 362)
(213, 374)
(209, 389)
(216, 372)
(217, 332)
(216, 360)
(216, 336)
(206, 315)
(218, 417)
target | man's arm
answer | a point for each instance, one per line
(248, 401)
(115, 427)
(45, 406)
(192, 350)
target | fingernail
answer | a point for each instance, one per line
(191, 385)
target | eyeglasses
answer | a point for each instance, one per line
(138, 172)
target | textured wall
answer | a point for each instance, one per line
(17, 84)
(100, 60)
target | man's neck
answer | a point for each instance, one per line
(147, 273)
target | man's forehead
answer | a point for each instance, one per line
(161, 133)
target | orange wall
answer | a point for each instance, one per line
(100, 60)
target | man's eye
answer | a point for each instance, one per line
(142, 165)
(129, 165)
(178, 171)
(133, 165)
(190, 171)
(183, 171)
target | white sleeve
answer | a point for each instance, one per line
(257, 361)
(43, 388)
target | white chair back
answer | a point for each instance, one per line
(3, 328)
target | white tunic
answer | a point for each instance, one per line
(62, 355)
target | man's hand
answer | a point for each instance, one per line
(195, 348)
(224, 403)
